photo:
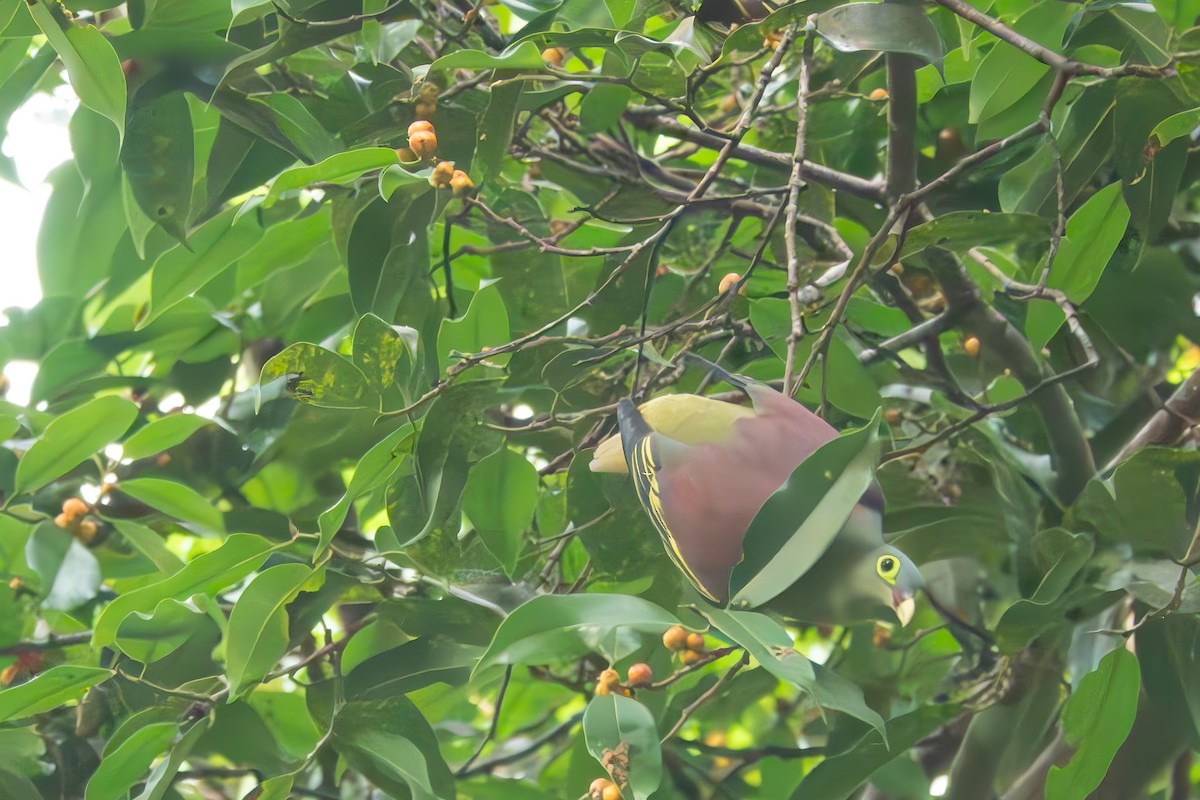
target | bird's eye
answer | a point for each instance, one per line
(887, 567)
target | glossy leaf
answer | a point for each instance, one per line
(524, 56)
(49, 690)
(184, 270)
(553, 627)
(770, 645)
(91, 62)
(240, 555)
(150, 544)
(157, 156)
(1092, 235)
(391, 743)
(375, 467)
(162, 434)
(341, 168)
(1175, 126)
(321, 378)
(838, 777)
(258, 631)
(121, 768)
(150, 637)
(887, 27)
(176, 500)
(621, 732)
(70, 573)
(485, 324)
(163, 774)
(1097, 718)
(72, 438)
(500, 498)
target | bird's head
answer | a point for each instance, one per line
(894, 580)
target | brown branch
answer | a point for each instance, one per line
(532, 747)
(1050, 58)
(817, 173)
(1179, 413)
(796, 185)
(704, 698)
(53, 643)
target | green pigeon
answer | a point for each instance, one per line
(703, 468)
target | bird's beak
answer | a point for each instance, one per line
(904, 605)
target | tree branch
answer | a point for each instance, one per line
(53, 643)
(796, 185)
(817, 173)
(1179, 413)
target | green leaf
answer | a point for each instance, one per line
(283, 246)
(49, 690)
(603, 106)
(90, 60)
(176, 500)
(394, 178)
(387, 254)
(122, 767)
(1175, 126)
(1092, 235)
(523, 56)
(70, 573)
(621, 732)
(1096, 719)
(412, 666)
(889, 27)
(159, 162)
(839, 776)
(299, 125)
(770, 645)
(72, 438)
(163, 774)
(1006, 75)
(258, 625)
(562, 627)
(379, 348)
(500, 122)
(499, 499)
(484, 325)
(375, 467)
(150, 637)
(162, 434)
(149, 543)
(236, 558)
(797, 523)
(343, 168)
(391, 743)
(319, 377)
(184, 270)
(1027, 618)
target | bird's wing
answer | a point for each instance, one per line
(686, 418)
(647, 453)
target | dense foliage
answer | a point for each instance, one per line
(300, 503)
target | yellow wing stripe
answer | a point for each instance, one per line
(645, 479)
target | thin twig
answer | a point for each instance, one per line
(529, 749)
(704, 698)
(491, 733)
(796, 186)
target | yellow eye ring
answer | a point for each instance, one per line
(888, 568)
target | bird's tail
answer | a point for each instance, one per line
(633, 427)
(733, 380)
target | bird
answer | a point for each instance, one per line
(703, 467)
